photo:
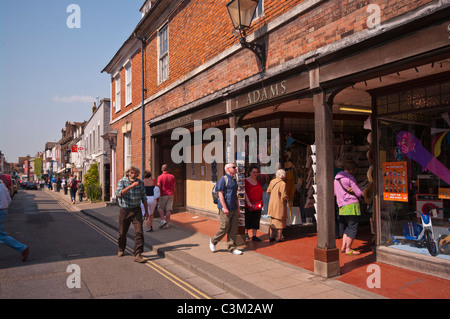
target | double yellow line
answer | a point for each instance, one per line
(163, 272)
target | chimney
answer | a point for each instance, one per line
(93, 108)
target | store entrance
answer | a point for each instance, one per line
(178, 170)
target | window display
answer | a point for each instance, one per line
(414, 169)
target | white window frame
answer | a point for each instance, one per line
(163, 53)
(98, 136)
(259, 12)
(127, 150)
(117, 101)
(128, 80)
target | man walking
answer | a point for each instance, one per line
(166, 184)
(130, 193)
(228, 206)
(5, 200)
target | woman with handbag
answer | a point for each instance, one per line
(253, 203)
(347, 195)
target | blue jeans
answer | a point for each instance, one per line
(5, 238)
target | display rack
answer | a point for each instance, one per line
(240, 180)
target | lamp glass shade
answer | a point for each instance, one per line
(242, 12)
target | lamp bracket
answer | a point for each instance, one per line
(258, 49)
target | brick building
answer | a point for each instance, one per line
(326, 66)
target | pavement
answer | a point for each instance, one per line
(271, 270)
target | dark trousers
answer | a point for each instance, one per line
(127, 217)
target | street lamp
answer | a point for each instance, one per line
(241, 14)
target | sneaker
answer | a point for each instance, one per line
(212, 247)
(163, 223)
(139, 259)
(236, 252)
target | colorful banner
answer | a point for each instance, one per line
(395, 181)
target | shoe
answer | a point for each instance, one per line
(163, 223)
(139, 259)
(150, 230)
(212, 247)
(254, 238)
(272, 239)
(25, 253)
(247, 237)
(120, 253)
(236, 252)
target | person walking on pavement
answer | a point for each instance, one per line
(166, 184)
(130, 194)
(80, 190)
(153, 193)
(277, 206)
(73, 185)
(228, 206)
(5, 200)
(347, 195)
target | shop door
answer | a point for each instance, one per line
(179, 171)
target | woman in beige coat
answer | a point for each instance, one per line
(277, 205)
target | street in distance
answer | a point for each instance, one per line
(227, 308)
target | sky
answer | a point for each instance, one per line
(51, 58)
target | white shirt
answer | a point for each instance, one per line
(5, 199)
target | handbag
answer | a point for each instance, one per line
(257, 206)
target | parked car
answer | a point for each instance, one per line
(7, 180)
(31, 185)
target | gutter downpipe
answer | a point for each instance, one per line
(143, 99)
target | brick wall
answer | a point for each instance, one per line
(199, 30)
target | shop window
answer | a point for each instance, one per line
(414, 169)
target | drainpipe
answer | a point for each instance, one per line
(142, 39)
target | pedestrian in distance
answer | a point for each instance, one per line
(5, 200)
(73, 185)
(64, 185)
(130, 194)
(80, 187)
(166, 185)
(347, 195)
(153, 194)
(228, 206)
(253, 203)
(277, 206)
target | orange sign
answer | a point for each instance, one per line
(395, 181)
(74, 149)
(444, 193)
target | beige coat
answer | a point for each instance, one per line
(277, 203)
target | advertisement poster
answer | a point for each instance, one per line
(395, 181)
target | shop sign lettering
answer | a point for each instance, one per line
(266, 93)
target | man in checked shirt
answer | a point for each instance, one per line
(130, 193)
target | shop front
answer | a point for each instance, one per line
(413, 173)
